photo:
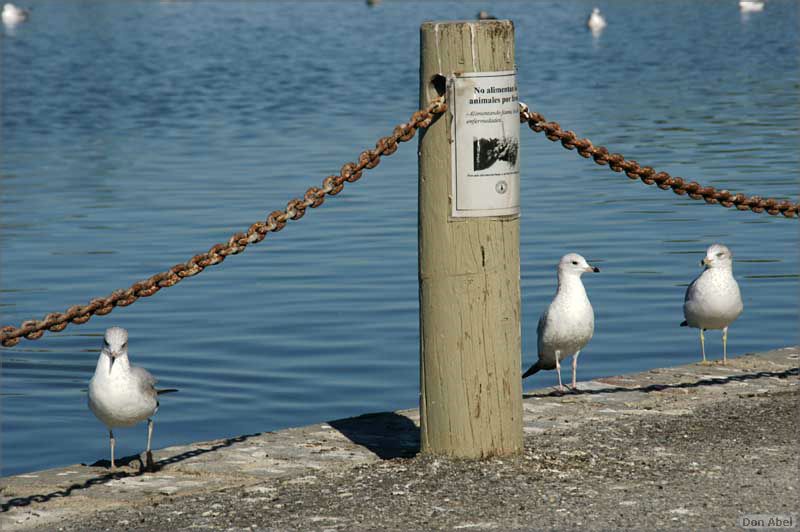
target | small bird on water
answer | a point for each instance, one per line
(568, 323)
(120, 394)
(13, 15)
(596, 21)
(713, 300)
(749, 6)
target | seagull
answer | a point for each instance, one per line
(596, 21)
(568, 323)
(713, 300)
(747, 6)
(13, 15)
(120, 394)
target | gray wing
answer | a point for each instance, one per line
(146, 381)
(690, 290)
(690, 295)
(540, 331)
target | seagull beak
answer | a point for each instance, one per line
(705, 262)
(113, 356)
(590, 268)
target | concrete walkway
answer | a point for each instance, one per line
(695, 446)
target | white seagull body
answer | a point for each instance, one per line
(568, 323)
(120, 394)
(749, 6)
(596, 21)
(13, 15)
(713, 300)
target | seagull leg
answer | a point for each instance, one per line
(703, 344)
(148, 453)
(112, 441)
(575, 370)
(724, 346)
(558, 370)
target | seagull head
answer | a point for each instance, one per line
(717, 256)
(574, 264)
(115, 344)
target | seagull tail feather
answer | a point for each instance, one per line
(531, 370)
(166, 390)
(684, 323)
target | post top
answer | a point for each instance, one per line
(435, 24)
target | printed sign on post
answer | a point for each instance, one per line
(485, 144)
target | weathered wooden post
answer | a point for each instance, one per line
(470, 346)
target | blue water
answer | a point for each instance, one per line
(137, 134)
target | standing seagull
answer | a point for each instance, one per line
(568, 323)
(596, 22)
(13, 15)
(713, 300)
(122, 395)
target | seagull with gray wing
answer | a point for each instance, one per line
(121, 394)
(713, 300)
(568, 323)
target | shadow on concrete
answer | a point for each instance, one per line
(115, 475)
(661, 387)
(387, 434)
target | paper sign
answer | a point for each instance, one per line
(485, 147)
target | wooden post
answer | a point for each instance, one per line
(470, 344)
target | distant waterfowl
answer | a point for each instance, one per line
(484, 15)
(749, 6)
(373, 3)
(596, 21)
(13, 15)
(713, 300)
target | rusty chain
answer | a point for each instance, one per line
(648, 175)
(351, 172)
(295, 209)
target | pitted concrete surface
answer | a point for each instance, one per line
(693, 446)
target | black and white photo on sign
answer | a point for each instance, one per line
(487, 152)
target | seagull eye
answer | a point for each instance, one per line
(575, 262)
(125, 345)
(720, 254)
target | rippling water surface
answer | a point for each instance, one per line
(137, 134)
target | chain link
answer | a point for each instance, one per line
(648, 175)
(295, 209)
